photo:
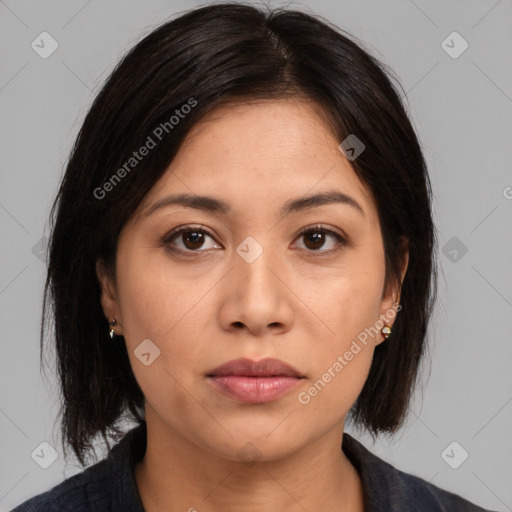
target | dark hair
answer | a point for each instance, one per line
(210, 56)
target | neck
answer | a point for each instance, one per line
(177, 475)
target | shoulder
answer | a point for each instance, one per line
(83, 491)
(389, 489)
(425, 496)
(106, 485)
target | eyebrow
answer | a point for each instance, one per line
(213, 205)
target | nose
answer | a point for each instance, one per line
(258, 298)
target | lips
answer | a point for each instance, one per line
(268, 367)
(250, 381)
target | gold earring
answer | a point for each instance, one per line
(386, 331)
(112, 331)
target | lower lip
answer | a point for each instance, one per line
(255, 390)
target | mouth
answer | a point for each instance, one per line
(249, 381)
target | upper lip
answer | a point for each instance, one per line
(267, 367)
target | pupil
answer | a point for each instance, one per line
(196, 239)
(317, 239)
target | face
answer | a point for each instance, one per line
(244, 281)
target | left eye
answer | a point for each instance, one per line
(315, 239)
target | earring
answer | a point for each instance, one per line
(386, 331)
(113, 323)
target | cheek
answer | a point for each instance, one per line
(348, 320)
(153, 297)
(340, 371)
(157, 305)
(349, 305)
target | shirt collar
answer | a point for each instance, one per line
(383, 488)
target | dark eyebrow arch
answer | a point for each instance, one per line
(212, 205)
(321, 199)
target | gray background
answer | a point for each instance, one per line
(461, 108)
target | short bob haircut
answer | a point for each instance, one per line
(210, 56)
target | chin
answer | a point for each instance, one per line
(266, 441)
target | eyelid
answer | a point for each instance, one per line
(180, 229)
(320, 227)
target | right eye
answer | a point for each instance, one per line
(190, 238)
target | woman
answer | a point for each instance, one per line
(243, 260)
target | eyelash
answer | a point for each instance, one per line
(166, 240)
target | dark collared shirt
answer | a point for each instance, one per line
(110, 485)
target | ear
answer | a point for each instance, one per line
(108, 297)
(391, 297)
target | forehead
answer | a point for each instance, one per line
(262, 153)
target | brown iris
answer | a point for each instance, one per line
(314, 239)
(195, 239)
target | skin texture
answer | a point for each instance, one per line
(210, 306)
